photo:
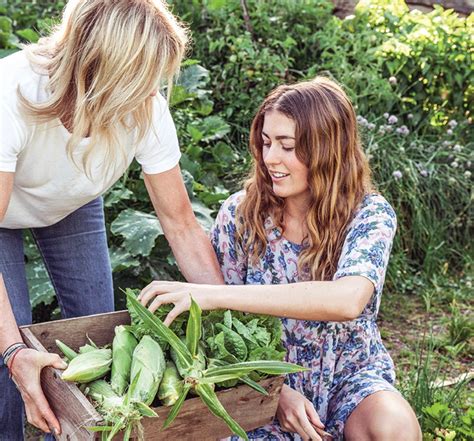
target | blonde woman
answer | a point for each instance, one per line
(75, 110)
(310, 239)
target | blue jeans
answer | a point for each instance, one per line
(75, 254)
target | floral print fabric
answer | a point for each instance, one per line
(347, 360)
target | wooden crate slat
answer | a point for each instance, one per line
(70, 406)
(74, 331)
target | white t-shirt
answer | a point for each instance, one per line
(48, 185)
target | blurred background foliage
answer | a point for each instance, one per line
(411, 78)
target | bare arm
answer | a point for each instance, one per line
(9, 332)
(6, 187)
(339, 300)
(190, 244)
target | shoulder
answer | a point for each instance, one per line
(16, 72)
(373, 206)
(376, 216)
(229, 206)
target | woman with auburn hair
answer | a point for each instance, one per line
(76, 109)
(310, 239)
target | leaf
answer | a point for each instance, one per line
(212, 127)
(193, 328)
(193, 78)
(120, 259)
(233, 342)
(210, 399)
(177, 406)
(157, 326)
(266, 366)
(145, 410)
(139, 229)
(28, 34)
(203, 214)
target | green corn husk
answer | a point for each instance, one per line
(66, 350)
(199, 361)
(87, 348)
(171, 385)
(148, 366)
(102, 392)
(122, 351)
(88, 366)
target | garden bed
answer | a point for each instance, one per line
(194, 422)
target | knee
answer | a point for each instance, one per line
(395, 425)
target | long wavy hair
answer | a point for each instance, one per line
(327, 141)
(104, 61)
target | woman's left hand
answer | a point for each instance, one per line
(162, 292)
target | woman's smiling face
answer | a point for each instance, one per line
(289, 175)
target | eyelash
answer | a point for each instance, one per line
(286, 149)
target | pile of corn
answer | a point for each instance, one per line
(124, 381)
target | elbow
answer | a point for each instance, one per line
(355, 301)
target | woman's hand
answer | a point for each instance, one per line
(296, 414)
(178, 293)
(26, 371)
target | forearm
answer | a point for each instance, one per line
(340, 300)
(9, 332)
(195, 256)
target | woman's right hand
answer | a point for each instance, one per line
(296, 414)
(26, 372)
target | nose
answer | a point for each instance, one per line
(271, 155)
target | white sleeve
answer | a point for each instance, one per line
(13, 137)
(159, 149)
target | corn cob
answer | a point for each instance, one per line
(122, 350)
(148, 366)
(88, 366)
(171, 385)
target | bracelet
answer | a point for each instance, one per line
(11, 350)
(13, 359)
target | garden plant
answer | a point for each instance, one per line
(410, 75)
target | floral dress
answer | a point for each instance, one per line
(347, 361)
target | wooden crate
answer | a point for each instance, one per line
(194, 422)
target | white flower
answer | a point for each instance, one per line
(467, 174)
(392, 80)
(468, 164)
(392, 119)
(402, 149)
(449, 132)
(451, 180)
(403, 130)
(371, 126)
(454, 164)
(386, 115)
(370, 157)
(375, 145)
(457, 148)
(362, 121)
(469, 284)
(389, 129)
(453, 123)
(397, 174)
(446, 143)
(410, 116)
(412, 144)
(424, 173)
(382, 130)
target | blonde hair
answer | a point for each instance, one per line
(104, 61)
(327, 141)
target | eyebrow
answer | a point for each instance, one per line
(278, 137)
